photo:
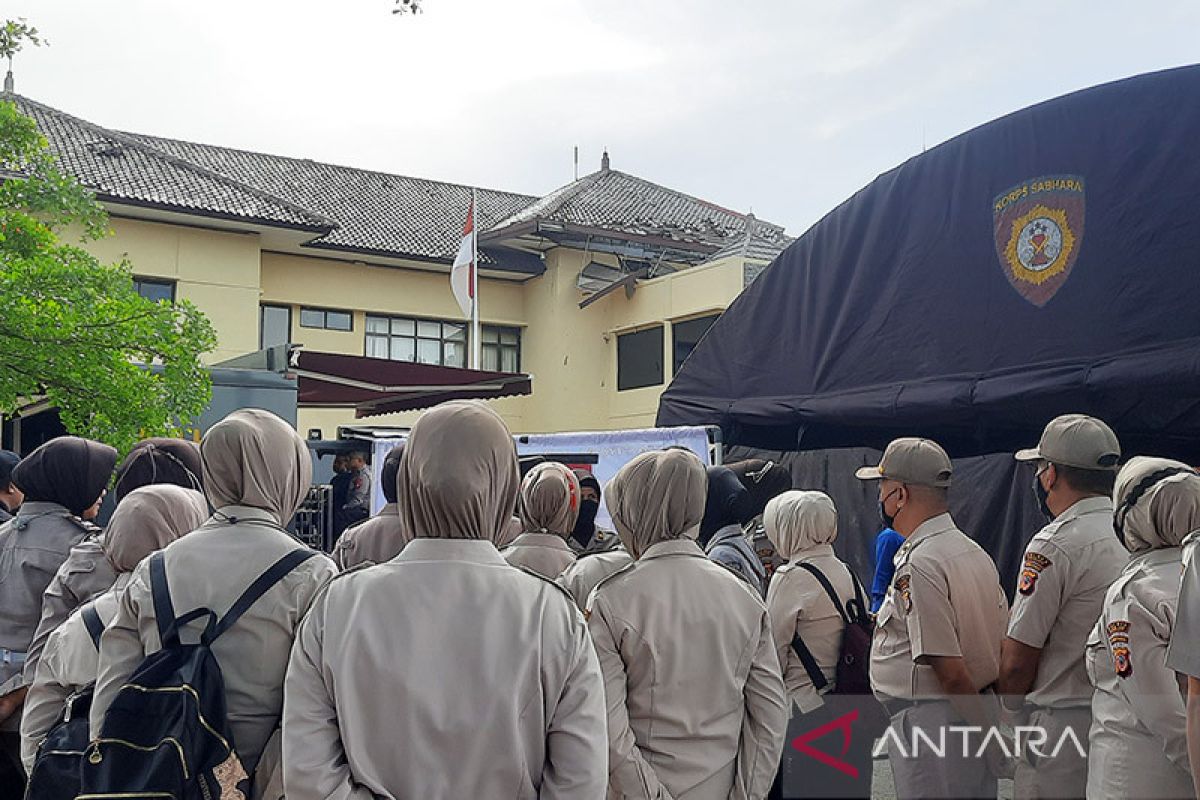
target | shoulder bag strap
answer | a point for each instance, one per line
(164, 611)
(261, 585)
(828, 587)
(93, 623)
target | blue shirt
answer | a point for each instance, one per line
(886, 545)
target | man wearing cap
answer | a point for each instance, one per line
(1067, 569)
(936, 650)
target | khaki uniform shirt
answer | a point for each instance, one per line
(211, 568)
(375, 540)
(799, 605)
(547, 554)
(1068, 567)
(945, 600)
(33, 545)
(486, 684)
(1139, 727)
(69, 663)
(85, 575)
(581, 577)
(1184, 653)
(696, 704)
(602, 541)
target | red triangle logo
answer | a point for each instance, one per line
(842, 723)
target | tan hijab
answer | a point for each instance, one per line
(1166, 513)
(459, 476)
(797, 521)
(253, 458)
(549, 501)
(148, 519)
(656, 497)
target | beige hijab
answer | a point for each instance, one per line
(148, 519)
(549, 501)
(656, 497)
(1168, 511)
(797, 521)
(459, 475)
(253, 458)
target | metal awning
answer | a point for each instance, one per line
(373, 386)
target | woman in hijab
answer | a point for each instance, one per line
(685, 646)
(548, 505)
(484, 671)
(87, 573)
(159, 460)
(63, 482)
(726, 509)
(802, 526)
(382, 537)
(764, 480)
(1138, 736)
(147, 520)
(256, 472)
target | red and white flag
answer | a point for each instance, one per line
(462, 274)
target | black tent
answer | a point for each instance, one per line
(1044, 263)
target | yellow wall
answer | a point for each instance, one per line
(217, 271)
(569, 351)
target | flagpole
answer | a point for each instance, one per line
(476, 348)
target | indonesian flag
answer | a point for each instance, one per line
(462, 273)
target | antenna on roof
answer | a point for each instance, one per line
(604, 161)
(576, 162)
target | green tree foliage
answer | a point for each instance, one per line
(14, 34)
(75, 330)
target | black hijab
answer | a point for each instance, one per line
(728, 503)
(153, 461)
(765, 480)
(70, 471)
(389, 472)
(585, 523)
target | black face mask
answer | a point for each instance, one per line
(1042, 495)
(889, 520)
(585, 525)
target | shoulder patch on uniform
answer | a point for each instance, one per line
(1034, 564)
(1118, 640)
(902, 585)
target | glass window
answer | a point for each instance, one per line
(157, 291)
(274, 326)
(640, 359)
(424, 341)
(501, 349)
(377, 346)
(431, 330)
(326, 318)
(404, 327)
(686, 335)
(429, 351)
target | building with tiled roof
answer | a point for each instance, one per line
(348, 260)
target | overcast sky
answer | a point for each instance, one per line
(783, 107)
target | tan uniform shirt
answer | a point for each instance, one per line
(375, 540)
(798, 605)
(33, 545)
(1139, 736)
(945, 600)
(1184, 653)
(586, 574)
(85, 575)
(1068, 567)
(547, 554)
(69, 662)
(486, 684)
(696, 704)
(211, 568)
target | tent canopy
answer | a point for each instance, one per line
(1044, 263)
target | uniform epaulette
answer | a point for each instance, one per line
(544, 579)
(619, 572)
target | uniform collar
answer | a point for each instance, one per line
(473, 551)
(221, 518)
(390, 510)
(1156, 557)
(673, 547)
(37, 508)
(1088, 505)
(537, 539)
(929, 528)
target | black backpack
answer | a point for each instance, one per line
(852, 675)
(166, 734)
(55, 772)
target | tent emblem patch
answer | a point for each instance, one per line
(1038, 227)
